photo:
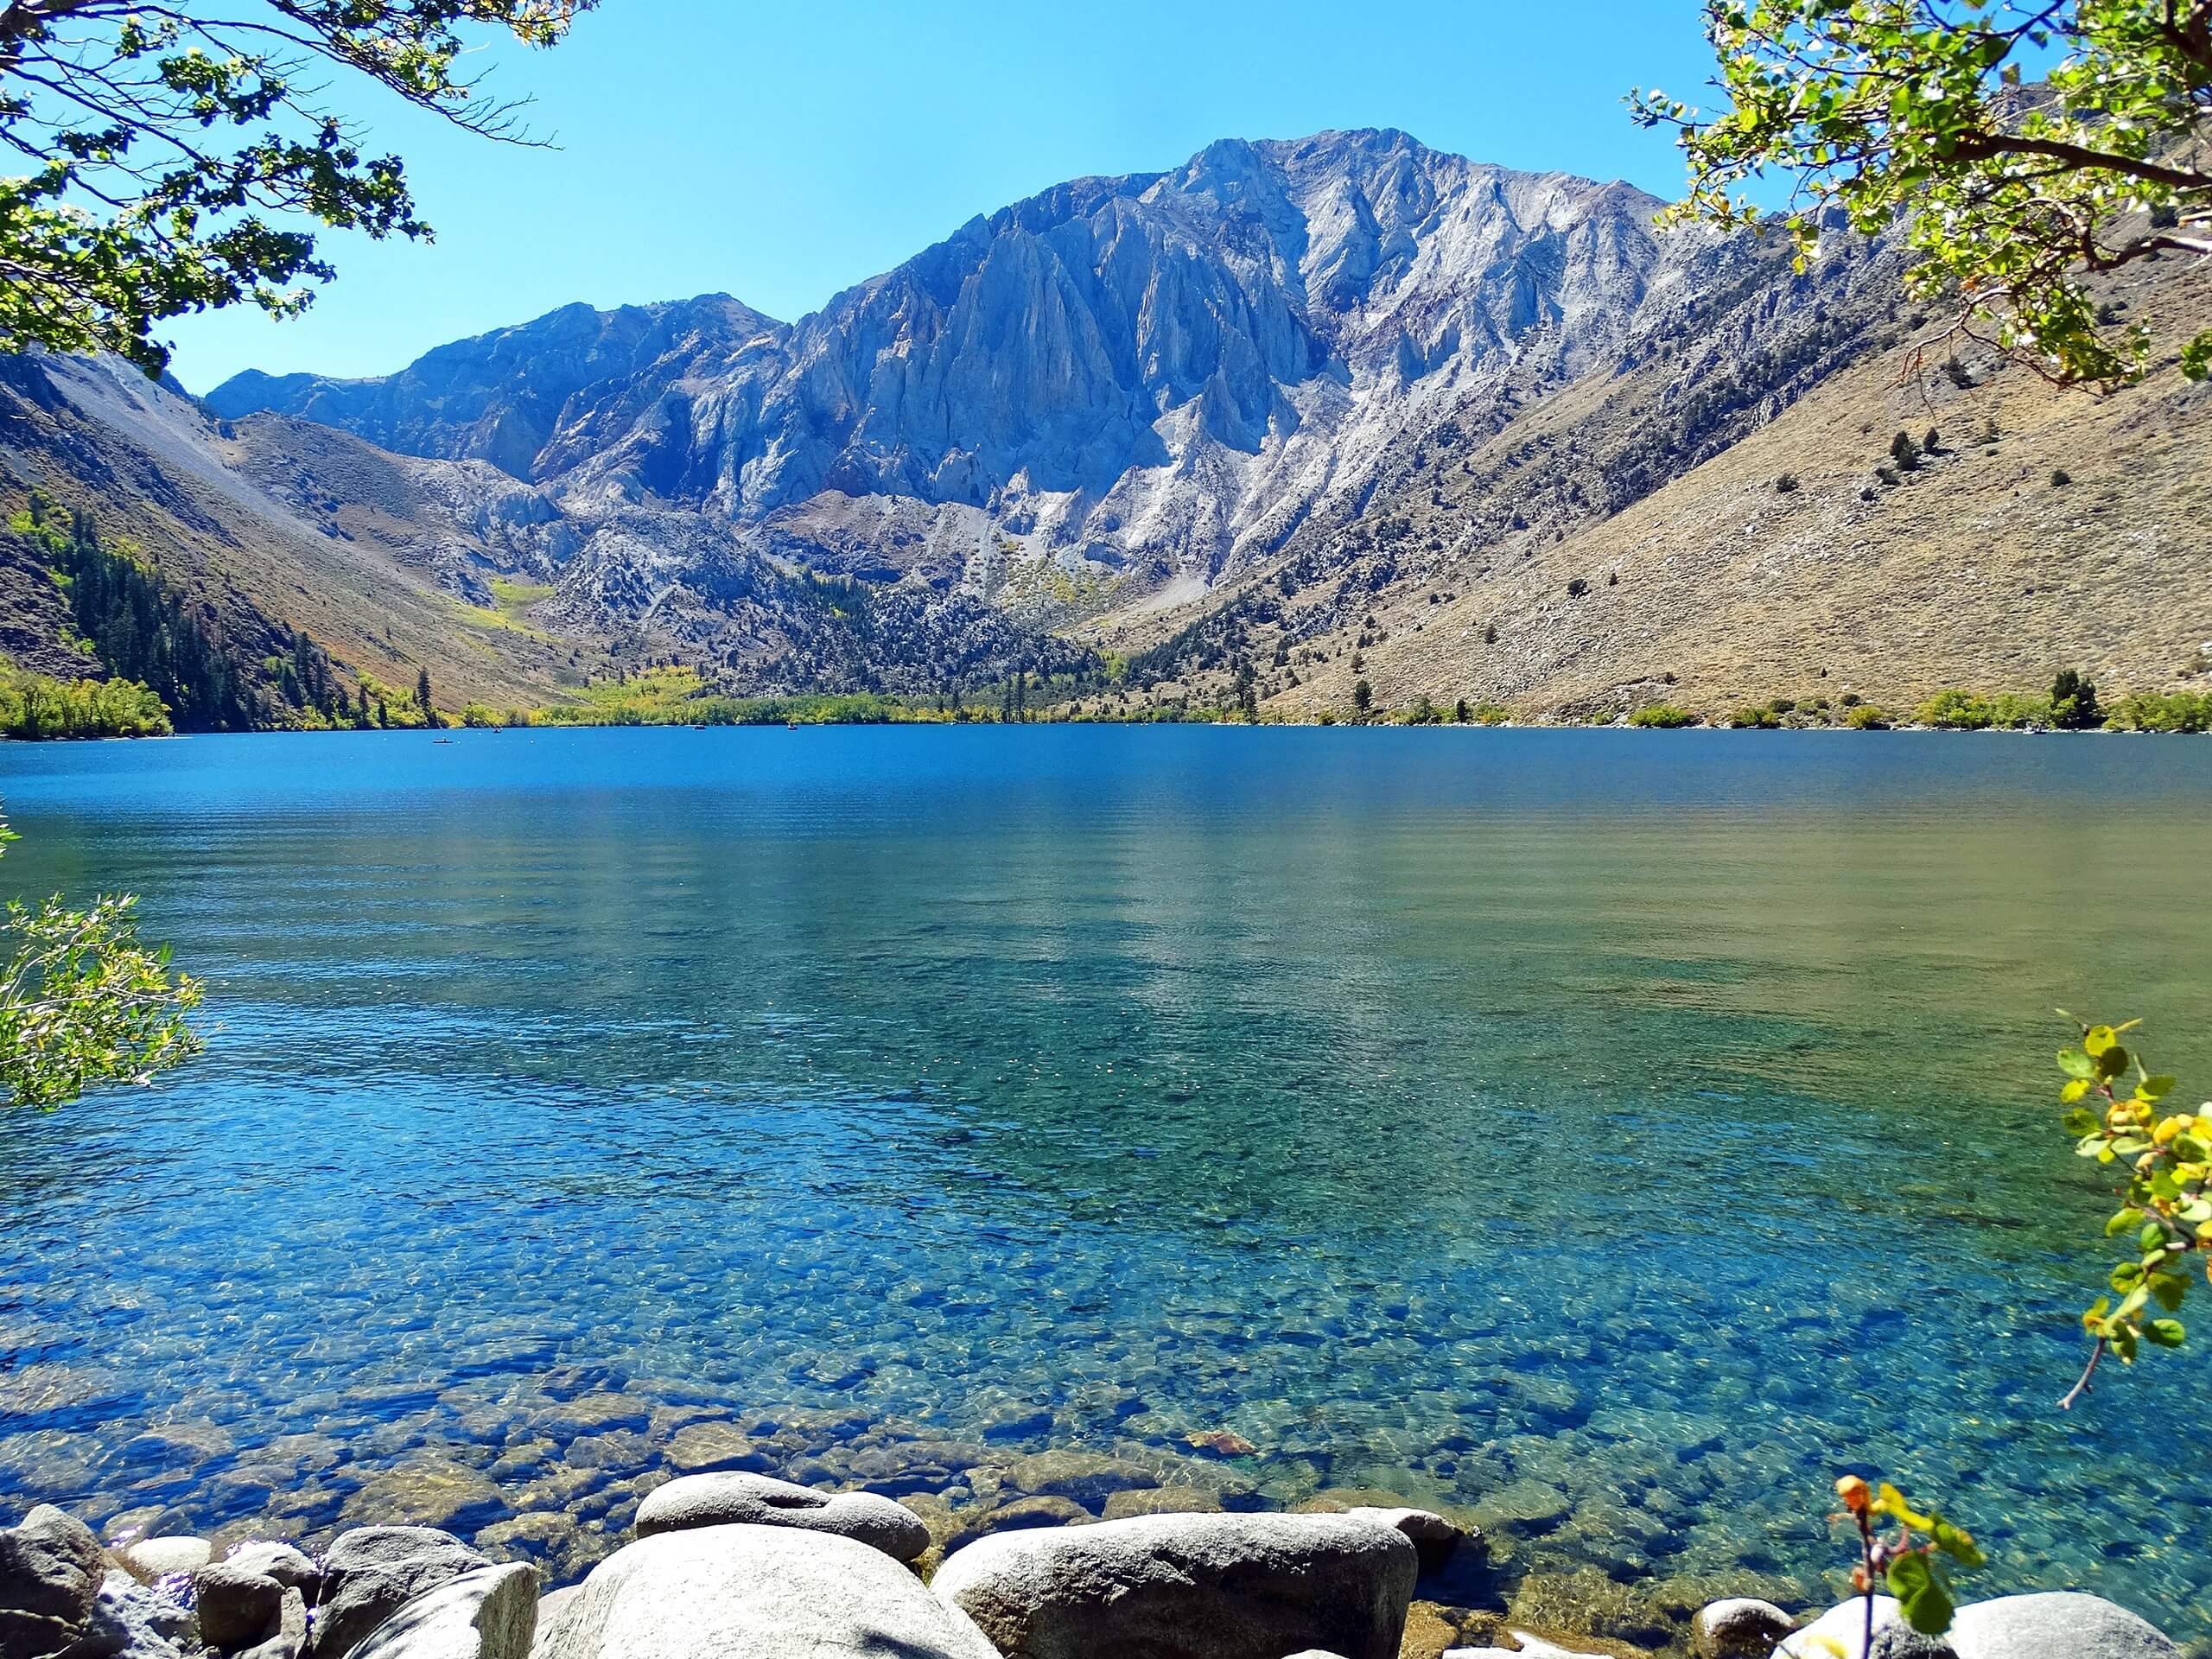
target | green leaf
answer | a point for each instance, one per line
(1956, 1542)
(2157, 1088)
(2072, 1092)
(2098, 1038)
(2075, 1063)
(2081, 1120)
(1922, 1595)
(2119, 1224)
(2169, 1289)
(2167, 1333)
(2111, 1063)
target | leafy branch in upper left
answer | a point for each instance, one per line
(159, 133)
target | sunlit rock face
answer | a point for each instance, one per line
(1158, 375)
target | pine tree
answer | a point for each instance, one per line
(422, 695)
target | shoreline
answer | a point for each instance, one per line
(1620, 725)
(1076, 1542)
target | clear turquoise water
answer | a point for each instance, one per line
(1664, 1119)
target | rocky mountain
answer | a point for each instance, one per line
(393, 563)
(1123, 381)
(1226, 417)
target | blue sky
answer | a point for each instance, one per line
(782, 152)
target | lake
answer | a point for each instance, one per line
(1615, 1135)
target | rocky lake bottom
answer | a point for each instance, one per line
(1603, 1138)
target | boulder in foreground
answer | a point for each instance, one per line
(372, 1572)
(1740, 1628)
(2060, 1625)
(736, 1499)
(766, 1592)
(2062, 1621)
(51, 1567)
(1189, 1586)
(491, 1613)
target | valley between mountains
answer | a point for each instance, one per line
(1287, 418)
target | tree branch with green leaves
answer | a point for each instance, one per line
(2166, 1210)
(2021, 146)
(83, 1004)
(170, 150)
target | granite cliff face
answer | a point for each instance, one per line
(1143, 381)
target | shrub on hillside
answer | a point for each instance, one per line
(1662, 716)
(2168, 711)
(34, 706)
(1953, 710)
(1865, 717)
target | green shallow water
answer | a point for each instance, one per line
(1654, 1122)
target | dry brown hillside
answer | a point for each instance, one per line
(1976, 569)
(361, 578)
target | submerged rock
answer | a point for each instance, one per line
(698, 1448)
(734, 1498)
(1163, 1500)
(1531, 1647)
(1022, 1515)
(1208, 1587)
(491, 1613)
(428, 1491)
(767, 1592)
(1084, 1478)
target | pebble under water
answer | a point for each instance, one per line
(1610, 1135)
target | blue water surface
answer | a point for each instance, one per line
(1661, 1123)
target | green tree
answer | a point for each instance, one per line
(158, 136)
(1363, 696)
(2012, 189)
(83, 1003)
(423, 695)
(2074, 701)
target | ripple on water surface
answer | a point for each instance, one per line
(1609, 1134)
